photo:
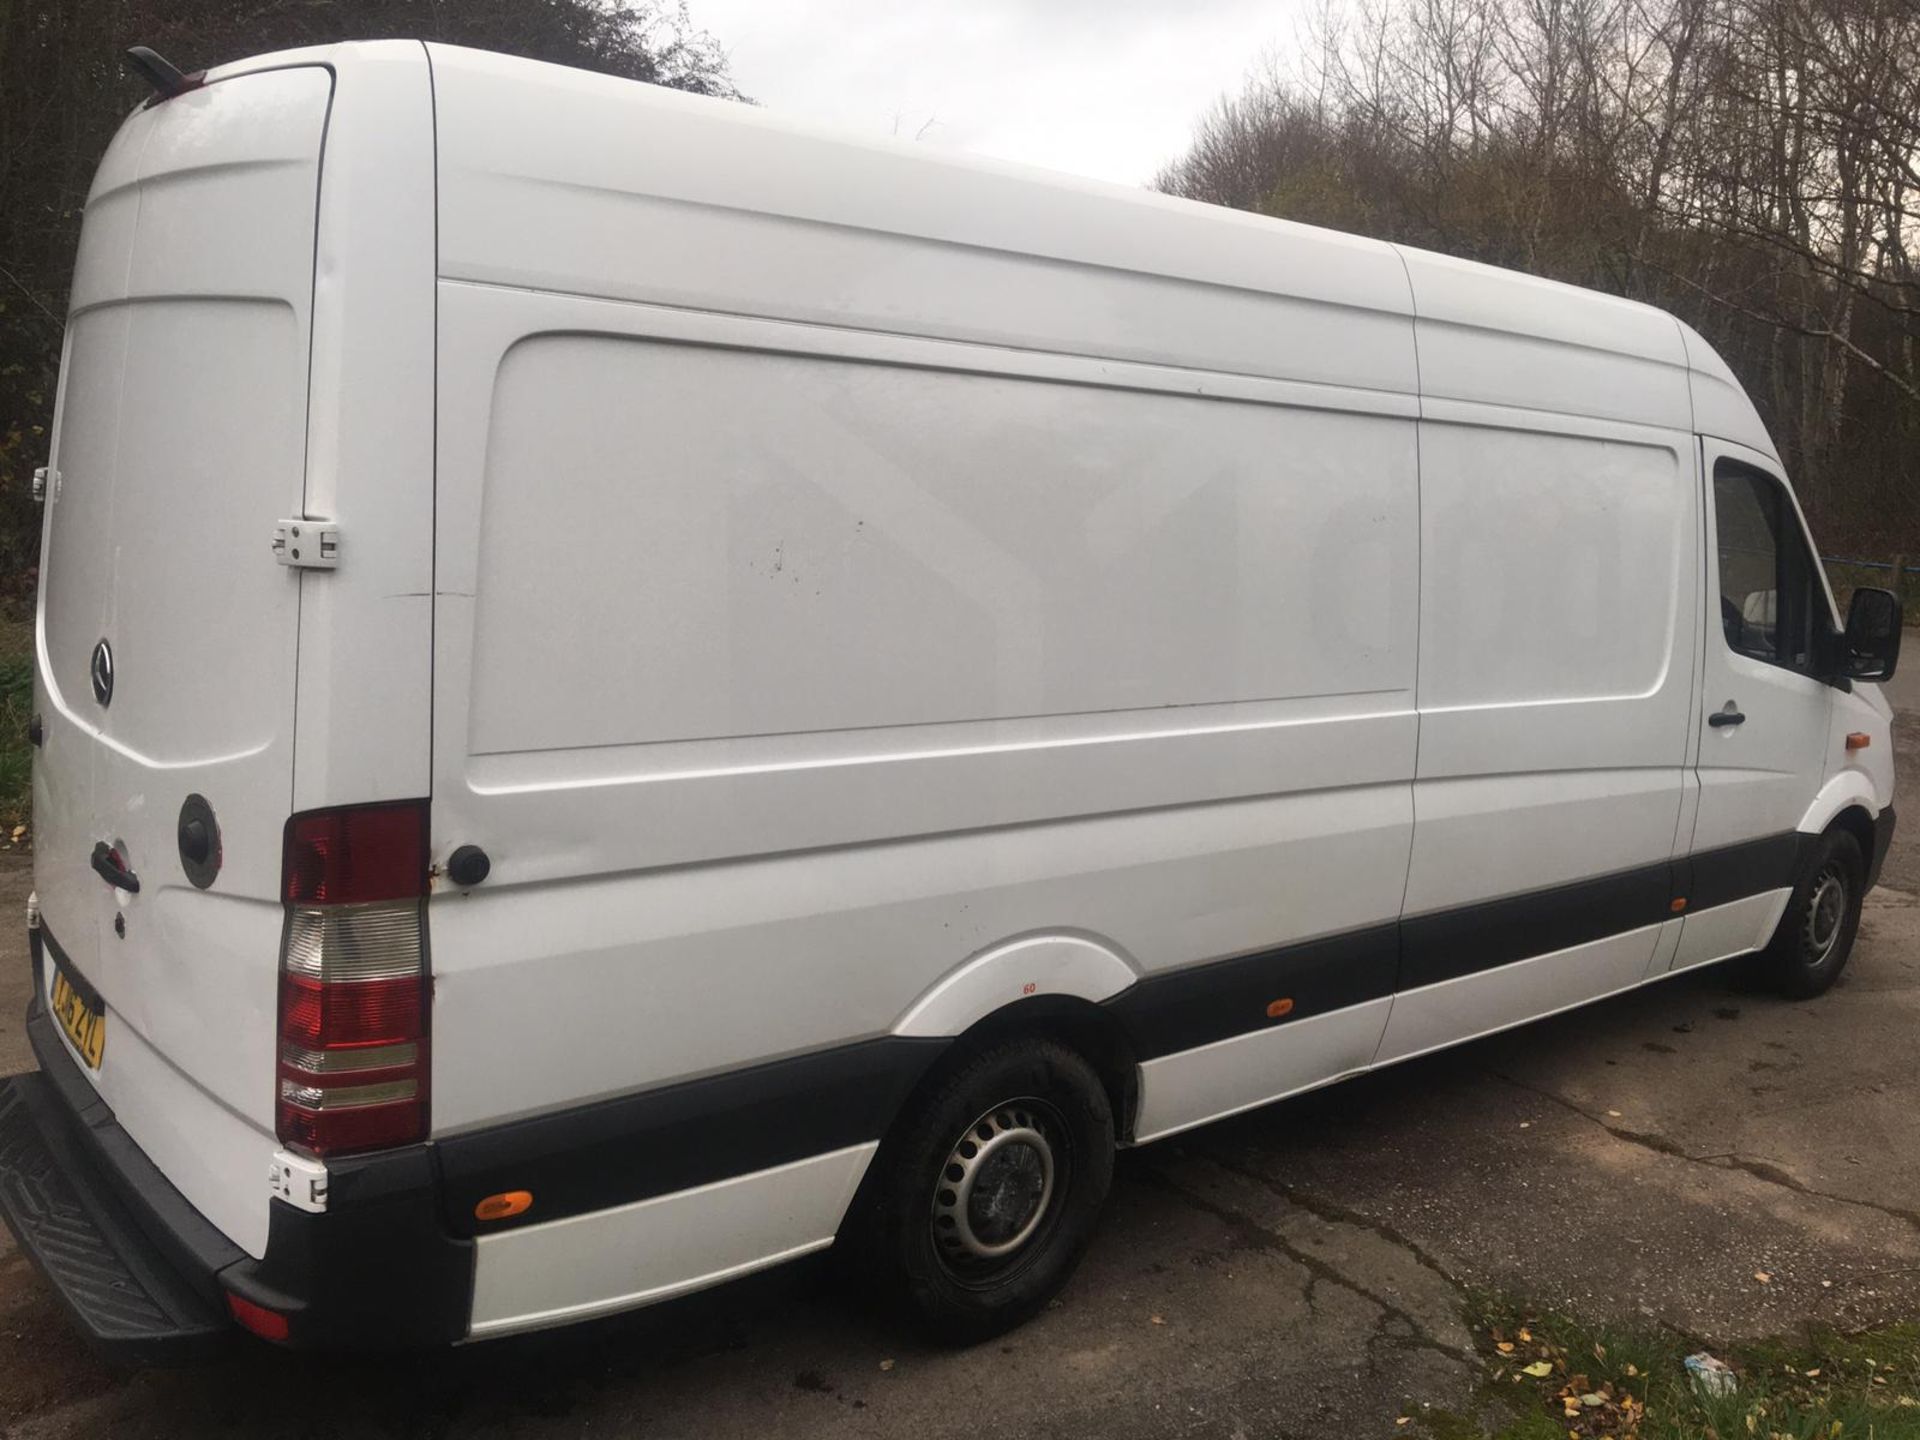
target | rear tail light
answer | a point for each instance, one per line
(354, 991)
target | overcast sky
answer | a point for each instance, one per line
(1109, 88)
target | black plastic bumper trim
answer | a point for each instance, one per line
(1735, 872)
(73, 1225)
(1199, 1004)
(377, 1270)
(593, 1157)
(390, 1263)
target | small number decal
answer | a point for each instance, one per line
(1029, 987)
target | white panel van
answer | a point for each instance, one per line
(629, 690)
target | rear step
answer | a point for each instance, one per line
(126, 1298)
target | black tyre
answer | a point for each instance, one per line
(983, 1198)
(1815, 937)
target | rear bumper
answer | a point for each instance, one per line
(147, 1276)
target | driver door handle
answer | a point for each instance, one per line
(1728, 716)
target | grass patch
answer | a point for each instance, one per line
(1549, 1376)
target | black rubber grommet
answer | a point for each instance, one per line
(198, 834)
(468, 866)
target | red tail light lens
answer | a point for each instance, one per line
(356, 856)
(354, 990)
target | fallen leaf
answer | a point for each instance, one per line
(1813, 1374)
(1525, 1334)
(886, 1364)
(1613, 1114)
(1403, 1420)
(1592, 1399)
(1157, 1320)
(1763, 1277)
(1539, 1369)
(1505, 1347)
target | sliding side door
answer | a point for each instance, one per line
(1558, 630)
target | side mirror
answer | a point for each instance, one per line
(1870, 647)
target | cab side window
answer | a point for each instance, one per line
(1767, 588)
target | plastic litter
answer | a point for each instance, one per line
(1711, 1374)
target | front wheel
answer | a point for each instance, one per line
(1815, 937)
(986, 1194)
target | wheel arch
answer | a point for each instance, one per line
(1860, 823)
(1848, 790)
(1051, 985)
(1092, 1031)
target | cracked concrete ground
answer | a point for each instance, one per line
(1297, 1272)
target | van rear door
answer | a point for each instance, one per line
(167, 634)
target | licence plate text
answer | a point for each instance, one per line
(86, 1025)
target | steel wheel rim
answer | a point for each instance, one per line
(998, 1188)
(1826, 914)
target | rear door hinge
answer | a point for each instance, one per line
(308, 544)
(301, 1182)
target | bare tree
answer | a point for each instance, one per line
(1750, 164)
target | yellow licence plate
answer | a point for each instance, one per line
(84, 1019)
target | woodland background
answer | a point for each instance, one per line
(1750, 165)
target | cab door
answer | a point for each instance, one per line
(1764, 715)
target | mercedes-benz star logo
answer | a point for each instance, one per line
(102, 672)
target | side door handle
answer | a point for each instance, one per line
(108, 865)
(1728, 716)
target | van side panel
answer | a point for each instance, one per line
(874, 666)
(792, 681)
(366, 629)
(1012, 559)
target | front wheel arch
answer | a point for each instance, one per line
(1804, 959)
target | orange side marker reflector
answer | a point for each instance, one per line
(1859, 740)
(1279, 1008)
(499, 1207)
(1679, 904)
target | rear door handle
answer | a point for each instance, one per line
(1726, 717)
(108, 865)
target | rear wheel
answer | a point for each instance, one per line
(1815, 937)
(986, 1194)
